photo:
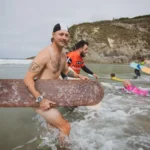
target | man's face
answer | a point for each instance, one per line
(84, 51)
(61, 37)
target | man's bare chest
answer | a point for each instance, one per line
(55, 64)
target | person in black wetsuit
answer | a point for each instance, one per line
(136, 71)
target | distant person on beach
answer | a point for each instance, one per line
(113, 77)
(48, 64)
(75, 58)
(133, 89)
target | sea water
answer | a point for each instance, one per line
(121, 123)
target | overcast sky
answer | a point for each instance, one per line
(26, 25)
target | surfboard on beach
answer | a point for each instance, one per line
(140, 67)
(14, 93)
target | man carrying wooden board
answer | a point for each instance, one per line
(48, 64)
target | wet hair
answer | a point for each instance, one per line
(80, 44)
(112, 75)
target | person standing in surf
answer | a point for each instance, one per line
(136, 71)
(48, 64)
(75, 58)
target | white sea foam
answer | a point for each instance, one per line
(122, 122)
(14, 61)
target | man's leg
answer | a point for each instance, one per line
(53, 117)
(137, 72)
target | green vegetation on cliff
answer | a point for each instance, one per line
(117, 41)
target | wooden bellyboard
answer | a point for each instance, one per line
(14, 93)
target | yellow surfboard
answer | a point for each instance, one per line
(146, 70)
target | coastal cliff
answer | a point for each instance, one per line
(117, 41)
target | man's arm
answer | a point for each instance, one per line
(70, 73)
(35, 68)
(87, 70)
(64, 76)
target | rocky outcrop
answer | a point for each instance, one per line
(117, 41)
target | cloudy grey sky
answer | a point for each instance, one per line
(26, 25)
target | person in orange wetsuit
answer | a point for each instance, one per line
(75, 58)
